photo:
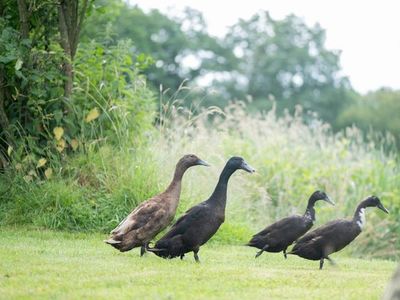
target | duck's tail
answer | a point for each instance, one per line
(292, 252)
(154, 250)
(112, 242)
(161, 252)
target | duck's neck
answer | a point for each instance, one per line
(359, 216)
(174, 188)
(309, 214)
(218, 197)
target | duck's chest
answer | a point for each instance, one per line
(361, 221)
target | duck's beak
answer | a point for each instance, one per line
(381, 207)
(201, 162)
(247, 167)
(329, 200)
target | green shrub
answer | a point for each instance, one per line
(110, 102)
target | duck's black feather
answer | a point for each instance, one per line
(191, 231)
(281, 234)
(327, 239)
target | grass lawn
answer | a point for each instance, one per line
(57, 265)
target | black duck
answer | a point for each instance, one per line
(281, 234)
(335, 235)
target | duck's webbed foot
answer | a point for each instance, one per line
(261, 251)
(196, 257)
(143, 249)
(321, 263)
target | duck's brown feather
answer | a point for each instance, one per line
(153, 215)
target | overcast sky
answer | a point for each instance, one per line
(367, 32)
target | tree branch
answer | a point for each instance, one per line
(70, 23)
(80, 20)
(62, 26)
(23, 19)
(4, 124)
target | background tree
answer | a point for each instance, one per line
(286, 60)
(378, 110)
(180, 46)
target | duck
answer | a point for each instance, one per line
(153, 215)
(335, 235)
(200, 222)
(280, 235)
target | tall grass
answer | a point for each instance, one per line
(97, 189)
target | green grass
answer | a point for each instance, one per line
(57, 265)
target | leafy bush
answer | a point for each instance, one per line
(110, 103)
(91, 193)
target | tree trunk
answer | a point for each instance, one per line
(65, 43)
(5, 134)
(23, 19)
(6, 137)
(70, 23)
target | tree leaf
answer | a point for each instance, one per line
(74, 144)
(9, 150)
(58, 132)
(18, 64)
(60, 145)
(48, 173)
(28, 178)
(41, 162)
(92, 115)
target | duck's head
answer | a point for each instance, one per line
(237, 162)
(374, 201)
(320, 195)
(190, 160)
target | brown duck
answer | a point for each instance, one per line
(154, 214)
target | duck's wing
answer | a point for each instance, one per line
(190, 217)
(286, 228)
(140, 216)
(330, 229)
(283, 225)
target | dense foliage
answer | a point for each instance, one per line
(55, 102)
